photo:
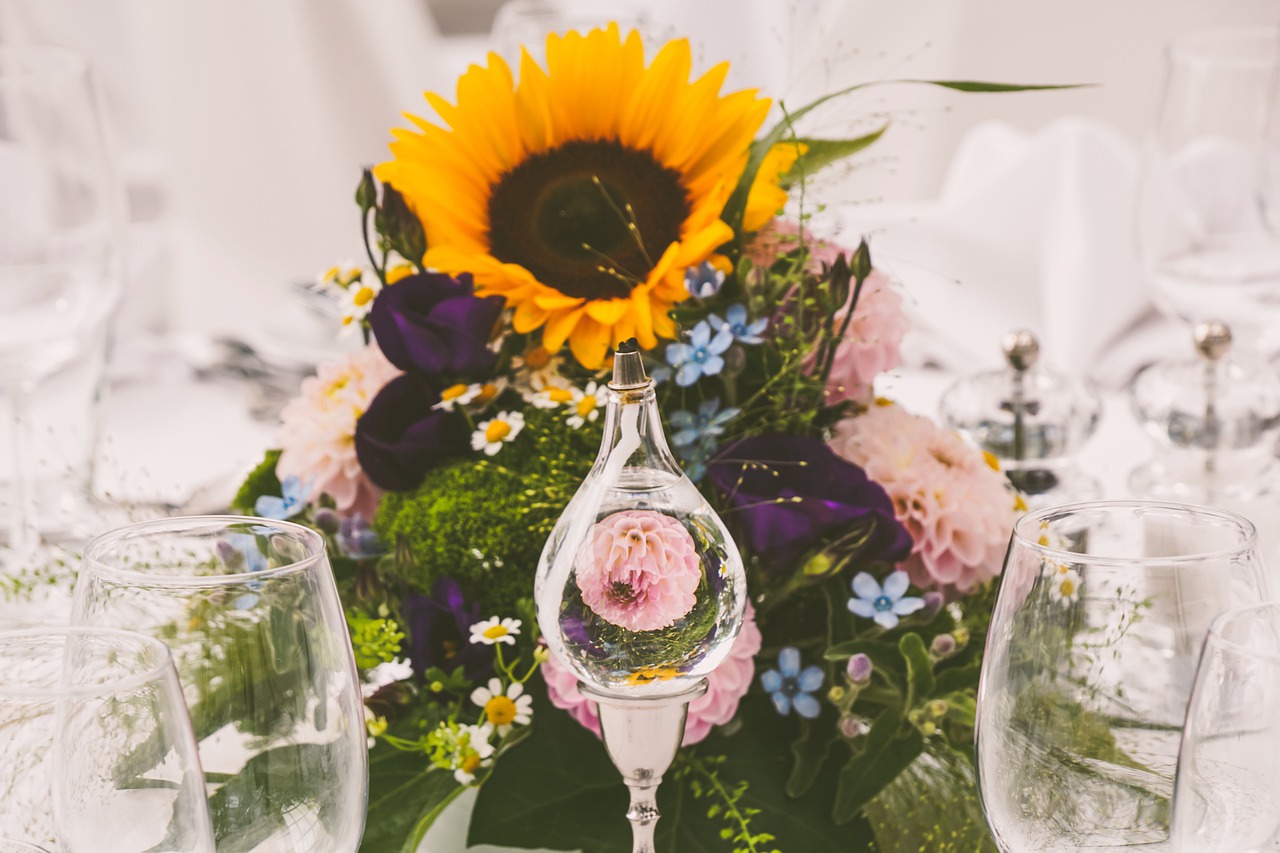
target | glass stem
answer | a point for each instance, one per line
(642, 734)
(643, 813)
(23, 535)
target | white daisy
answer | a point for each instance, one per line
(340, 275)
(375, 727)
(490, 435)
(458, 395)
(1065, 586)
(502, 710)
(495, 630)
(552, 396)
(357, 299)
(538, 369)
(472, 751)
(385, 673)
(587, 407)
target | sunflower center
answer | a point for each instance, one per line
(589, 217)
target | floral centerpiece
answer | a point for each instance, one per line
(547, 215)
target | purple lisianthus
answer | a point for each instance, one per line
(439, 626)
(401, 436)
(435, 324)
(790, 492)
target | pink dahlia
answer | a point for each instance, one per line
(956, 506)
(317, 433)
(639, 569)
(871, 342)
(726, 685)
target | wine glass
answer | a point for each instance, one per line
(60, 281)
(1206, 244)
(96, 749)
(1089, 663)
(251, 613)
(1227, 798)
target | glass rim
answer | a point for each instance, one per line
(1210, 46)
(93, 552)
(56, 62)
(1220, 622)
(116, 685)
(1036, 517)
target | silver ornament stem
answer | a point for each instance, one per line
(642, 735)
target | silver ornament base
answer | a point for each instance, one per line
(641, 735)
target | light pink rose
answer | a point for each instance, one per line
(639, 569)
(871, 342)
(726, 685)
(958, 509)
(318, 427)
(780, 236)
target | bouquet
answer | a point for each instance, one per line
(548, 214)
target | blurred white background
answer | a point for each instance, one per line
(241, 125)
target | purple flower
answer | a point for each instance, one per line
(439, 626)
(402, 436)
(357, 540)
(789, 493)
(434, 324)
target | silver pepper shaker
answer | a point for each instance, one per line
(1033, 420)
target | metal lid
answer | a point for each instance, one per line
(628, 367)
(1215, 401)
(1025, 415)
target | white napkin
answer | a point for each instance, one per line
(1029, 231)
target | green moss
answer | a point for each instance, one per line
(262, 480)
(483, 520)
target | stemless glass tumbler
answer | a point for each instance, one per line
(251, 613)
(96, 750)
(1089, 664)
(1227, 798)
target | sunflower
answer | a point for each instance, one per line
(583, 193)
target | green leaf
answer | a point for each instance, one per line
(810, 753)
(822, 153)
(933, 805)
(884, 755)
(980, 86)
(258, 800)
(919, 669)
(559, 791)
(405, 795)
(957, 678)
(262, 480)
(736, 207)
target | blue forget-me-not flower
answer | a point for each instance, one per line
(701, 356)
(883, 604)
(707, 423)
(736, 321)
(703, 281)
(790, 687)
(292, 500)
